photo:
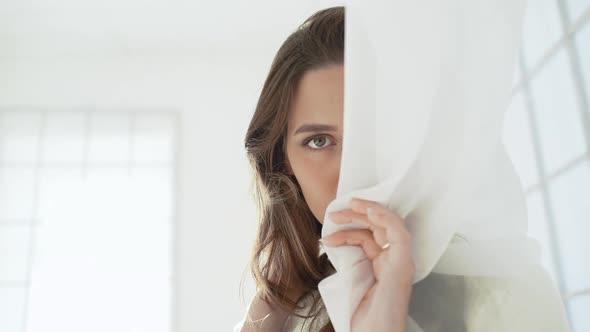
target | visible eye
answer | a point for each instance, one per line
(319, 141)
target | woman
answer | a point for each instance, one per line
(294, 144)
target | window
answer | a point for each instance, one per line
(547, 134)
(86, 216)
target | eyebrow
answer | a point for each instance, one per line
(314, 127)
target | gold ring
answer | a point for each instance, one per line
(385, 246)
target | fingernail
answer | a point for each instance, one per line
(370, 211)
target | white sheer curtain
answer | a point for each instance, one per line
(423, 123)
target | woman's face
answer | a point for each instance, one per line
(314, 135)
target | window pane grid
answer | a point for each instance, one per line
(72, 155)
(562, 187)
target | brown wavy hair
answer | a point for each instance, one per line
(285, 261)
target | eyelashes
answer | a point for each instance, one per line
(313, 140)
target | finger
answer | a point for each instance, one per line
(393, 226)
(383, 217)
(356, 237)
(348, 215)
(361, 205)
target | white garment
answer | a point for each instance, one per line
(293, 323)
(427, 83)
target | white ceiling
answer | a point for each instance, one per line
(121, 27)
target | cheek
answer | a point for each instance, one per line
(317, 167)
(318, 177)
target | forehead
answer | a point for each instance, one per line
(319, 97)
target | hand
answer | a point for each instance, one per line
(385, 305)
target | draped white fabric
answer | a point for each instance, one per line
(426, 86)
